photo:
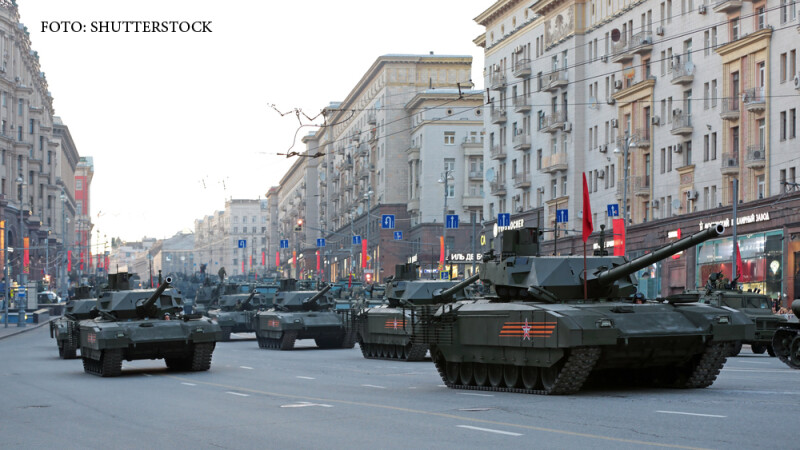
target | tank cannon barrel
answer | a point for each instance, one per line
(458, 287)
(313, 300)
(250, 297)
(160, 290)
(630, 267)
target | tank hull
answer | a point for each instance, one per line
(279, 330)
(389, 333)
(529, 346)
(234, 322)
(67, 335)
(786, 341)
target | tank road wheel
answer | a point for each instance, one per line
(770, 350)
(451, 370)
(495, 375)
(758, 349)
(402, 352)
(511, 375)
(226, 334)
(466, 372)
(549, 375)
(481, 373)
(262, 342)
(110, 363)
(735, 349)
(201, 357)
(530, 377)
(287, 340)
(794, 353)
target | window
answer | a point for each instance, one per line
(706, 90)
(449, 138)
(714, 93)
(783, 67)
(19, 132)
(783, 125)
(792, 123)
(30, 126)
(761, 18)
(663, 159)
(706, 148)
(713, 146)
(449, 164)
(734, 23)
(20, 103)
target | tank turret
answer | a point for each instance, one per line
(300, 300)
(406, 289)
(519, 274)
(445, 295)
(312, 303)
(139, 304)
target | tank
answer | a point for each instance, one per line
(390, 331)
(304, 315)
(786, 341)
(65, 329)
(237, 312)
(547, 328)
(146, 324)
(757, 307)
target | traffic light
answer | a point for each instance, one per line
(299, 226)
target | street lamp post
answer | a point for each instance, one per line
(5, 274)
(446, 177)
(20, 303)
(368, 196)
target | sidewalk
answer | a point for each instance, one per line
(13, 329)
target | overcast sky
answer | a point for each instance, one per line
(178, 122)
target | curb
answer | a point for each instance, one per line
(20, 330)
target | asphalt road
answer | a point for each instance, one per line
(310, 398)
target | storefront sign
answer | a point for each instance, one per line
(412, 259)
(513, 225)
(464, 257)
(743, 220)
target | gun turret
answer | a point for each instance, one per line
(609, 276)
(249, 298)
(313, 302)
(445, 295)
(147, 308)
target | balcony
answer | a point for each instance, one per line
(730, 108)
(620, 51)
(522, 180)
(554, 80)
(476, 175)
(681, 124)
(498, 188)
(552, 122)
(522, 69)
(522, 104)
(522, 141)
(372, 119)
(497, 81)
(473, 146)
(756, 157)
(469, 201)
(499, 116)
(754, 100)
(727, 6)
(730, 165)
(554, 163)
(641, 186)
(497, 152)
(640, 138)
(642, 42)
(682, 73)
(363, 172)
(362, 149)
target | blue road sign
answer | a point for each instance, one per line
(284, 243)
(613, 210)
(444, 275)
(504, 220)
(321, 242)
(398, 235)
(356, 240)
(387, 221)
(242, 243)
(562, 215)
(452, 221)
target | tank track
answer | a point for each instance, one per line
(783, 342)
(413, 352)
(705, 371)
(570, 379)
(109, 365)
(201, 357)
(284, 343)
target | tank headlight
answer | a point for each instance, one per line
(120, 334)
(199, 330)
(605, 323)
(723, 319)
(296, 320)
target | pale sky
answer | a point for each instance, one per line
(178, 122)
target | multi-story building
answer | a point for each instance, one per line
(84, 172)
(174, 255)
(662, 105)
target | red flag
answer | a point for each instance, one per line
(317, 260)
(739, 268)
(441, 253)
(69, 260)
(619, 241)
(364, 254)
(587, 212)
(277, 259)
(263, 258)
(26, 256)
(243, 265)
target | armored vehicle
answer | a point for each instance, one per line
(237, 312)
(304, 315)
(146, 324)
(758, 307)
(65, 329)
(786, 341)
(548, 327)
(389, 331)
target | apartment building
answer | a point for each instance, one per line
(662, 104)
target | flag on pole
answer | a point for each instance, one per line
(587, 212)
(363, 253)
(277, 259)
(739, 268)
(618, 226)
(441, 253)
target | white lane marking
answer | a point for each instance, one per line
(412, 387)
(691, 414)
(307, 378)
(245, 367)
(304, 404)
(476, 395)
(742, 391)
(373, 386)
(760, 370)
(753, 362)
(238, 393)
(147, 374)
(189, 384)
(442, 385)
(489, 430)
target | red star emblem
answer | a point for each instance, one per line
(526, 329)
(395, 323)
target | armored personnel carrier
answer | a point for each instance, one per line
(388, 331)
(757, 307)
(65, 329)
(786, 341)
(237, 312)
(146, 324)
(549, 327)
(304, 315)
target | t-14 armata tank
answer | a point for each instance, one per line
(304, 315)
(390, 331)
(237, 313)
(544, 334)
(146, 324)
(66, 328)
(786, 341)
